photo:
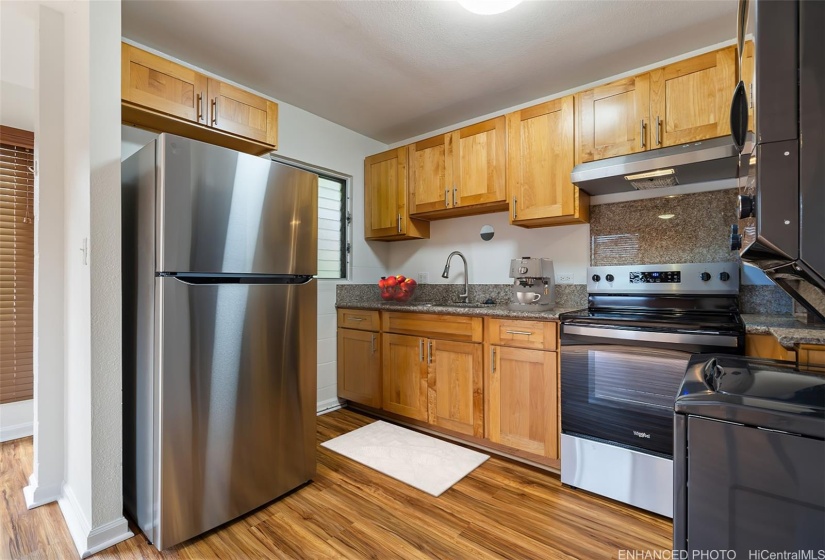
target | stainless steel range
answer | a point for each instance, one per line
(622, 361)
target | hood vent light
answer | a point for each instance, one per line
(653, 179)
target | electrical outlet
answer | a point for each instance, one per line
(565, 278)
(423, 277)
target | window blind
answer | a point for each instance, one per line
(332, 258)
(16, 264)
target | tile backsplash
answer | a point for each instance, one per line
(636, 233)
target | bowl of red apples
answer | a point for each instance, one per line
(397, 288)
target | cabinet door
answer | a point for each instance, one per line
(613, 119)
(479, 154)
(431, 175)
(405, 375)
(159, 84)
(239, 112)
(385, 182)
(456, 394)
(359, 367)
(691, 98)
(523, 400)
(539, 161)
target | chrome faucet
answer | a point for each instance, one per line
(446, 274)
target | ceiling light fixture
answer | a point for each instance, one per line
(667, 216)
(489, 7)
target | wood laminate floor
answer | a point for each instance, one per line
(501, 510)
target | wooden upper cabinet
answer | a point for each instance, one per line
(152, 81)
(430, 185)
(613, 119)
(479, 160)
(234, 110)
(691, 98)
(164, 96)
(455, 383)
(540, 157)
(461, 172)
(385, 199)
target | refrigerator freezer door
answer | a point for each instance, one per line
(221, 211)
(236, 370)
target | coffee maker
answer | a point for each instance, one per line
(534, 287)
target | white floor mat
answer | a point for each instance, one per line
(424, 462)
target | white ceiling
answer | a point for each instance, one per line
(392, 70)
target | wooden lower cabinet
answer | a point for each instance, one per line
(811, 357)
(456, 390)
(767, 346)
(522, 393)
(359, 366)
(405, 375)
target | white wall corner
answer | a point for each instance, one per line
(37, 495)
(90, 541)
(328, 405)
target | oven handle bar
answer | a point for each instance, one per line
(647, 336)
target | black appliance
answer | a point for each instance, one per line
(749, 459)
(622, 360)
(781, 209)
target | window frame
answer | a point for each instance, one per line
(346, 209)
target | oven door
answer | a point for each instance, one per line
(620, 393)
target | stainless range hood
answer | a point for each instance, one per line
(697, 162)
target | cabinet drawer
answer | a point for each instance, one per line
(359, 319)
(431, 325)
(539, 335)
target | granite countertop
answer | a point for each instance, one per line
(787, 329)
(496, 310)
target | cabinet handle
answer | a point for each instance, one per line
(215, 111)
(420, 349)
(200, 107)
(493, 359)
(446, 197)
(526, 333)
(751, 99)
(642, 135)
(430, 352)
(658, 130)
(514, 208)
(350, 318)
(372, 343)
(455, 190)
(399, 223)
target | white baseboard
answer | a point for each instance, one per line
(89, 541)
(328, 406)
(37, 495)
(17, 431)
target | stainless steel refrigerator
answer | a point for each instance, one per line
(219, 347)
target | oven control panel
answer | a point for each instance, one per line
(687, 278)
(656, 277)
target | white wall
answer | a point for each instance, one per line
(77, 303)
(18, 51)
(308, 138)
(489, 261)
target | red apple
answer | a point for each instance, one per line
(383, 282)
(386, 295)
(410, 282)
(392, 281)
(400, 278)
